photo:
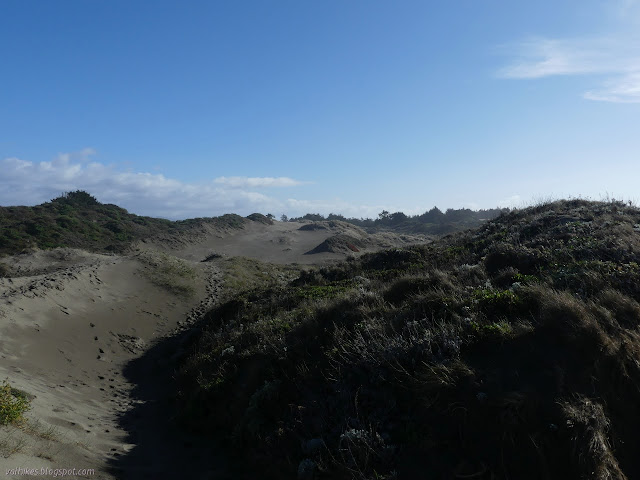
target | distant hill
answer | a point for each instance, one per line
(508, 351)
(77, 219)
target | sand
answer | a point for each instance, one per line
(286, 242)
(95, 342)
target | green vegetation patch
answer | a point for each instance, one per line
(13, 404)
(504, 298)
(243, 274)
(498, 329)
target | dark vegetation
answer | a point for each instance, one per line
(77, 219)
(507, 352)
(433, 222)
(258, 217)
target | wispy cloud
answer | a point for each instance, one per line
(336, 205)
(348, 209)
(627, 11)
(614, 58)
(544, 57)
(24, 182)
(258, 182)
(514, 201)
(625, 89)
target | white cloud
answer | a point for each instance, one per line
(615, 57)
(471, 205)
(543, 57)
(257, 182)
(24, 182)
(625, 89)
(337, 206)
(342, 207)
(514, 201)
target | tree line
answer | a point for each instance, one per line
(431, 221)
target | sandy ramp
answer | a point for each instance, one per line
(66, 335)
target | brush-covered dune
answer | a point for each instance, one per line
(507, 352)
(239, 347)
(97, 307)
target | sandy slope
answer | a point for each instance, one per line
(285, 242)
(94, 341)
(65, 337)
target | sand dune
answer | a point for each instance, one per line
(80, 332)
(288, 242)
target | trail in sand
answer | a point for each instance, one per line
(68, 327)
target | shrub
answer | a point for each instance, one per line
(78, 197)
(65, 221)
(13, 404)
(409, 285)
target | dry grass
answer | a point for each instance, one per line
(243, 274)
(590, 426)
(169, 272)
(36, 428)
(10, 444)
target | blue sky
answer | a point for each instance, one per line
(181, 109)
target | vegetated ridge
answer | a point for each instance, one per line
(77, 219)
(509, 351)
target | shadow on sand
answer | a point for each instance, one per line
(162, 450)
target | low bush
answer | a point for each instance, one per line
(13, 404)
